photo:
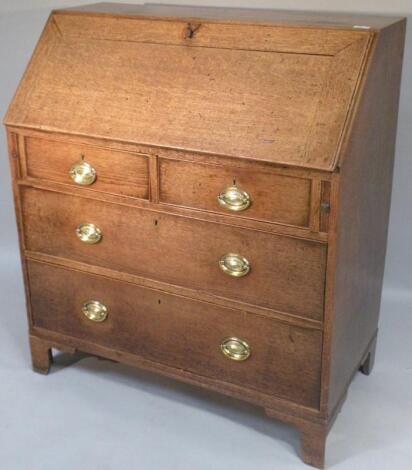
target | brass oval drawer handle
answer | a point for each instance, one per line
(95, 311)
(83, 173)
(234, 199)
(235, 349)
(234, 265)
(89, 233)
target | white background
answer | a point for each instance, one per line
(96, 415)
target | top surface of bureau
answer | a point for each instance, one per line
(275, 93)
(262, 16)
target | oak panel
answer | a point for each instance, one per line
(207, 34)
(301, 20)
(275, 198)
(123, 173)
(360, 221)
(286, 274)
(287, 107)
(285, 360)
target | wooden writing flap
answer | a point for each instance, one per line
(276, 94)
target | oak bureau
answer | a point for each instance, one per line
(205, 193)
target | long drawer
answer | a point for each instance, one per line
(283, 360)
(285, 274)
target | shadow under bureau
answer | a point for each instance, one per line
(205, 193)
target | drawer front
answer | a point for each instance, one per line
(273, 197)
(186, 334)
(116, 172)
(286, 274)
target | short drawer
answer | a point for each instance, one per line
(284, 273)
(284, 360)
(96, 168)
(254, 193)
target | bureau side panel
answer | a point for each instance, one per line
(358, 243)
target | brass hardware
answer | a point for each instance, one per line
(89, 233)
(234, 199)
(95, 310)
(234, 265)
(235, 349)
(83, 173)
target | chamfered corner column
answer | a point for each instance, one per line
(41, 355)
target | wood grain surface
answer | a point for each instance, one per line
(285, 361)
(275, 198)
(358, 240)
(117, 172)
(286, 274)
(227, 101)
(171, 105)
(237, 16)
